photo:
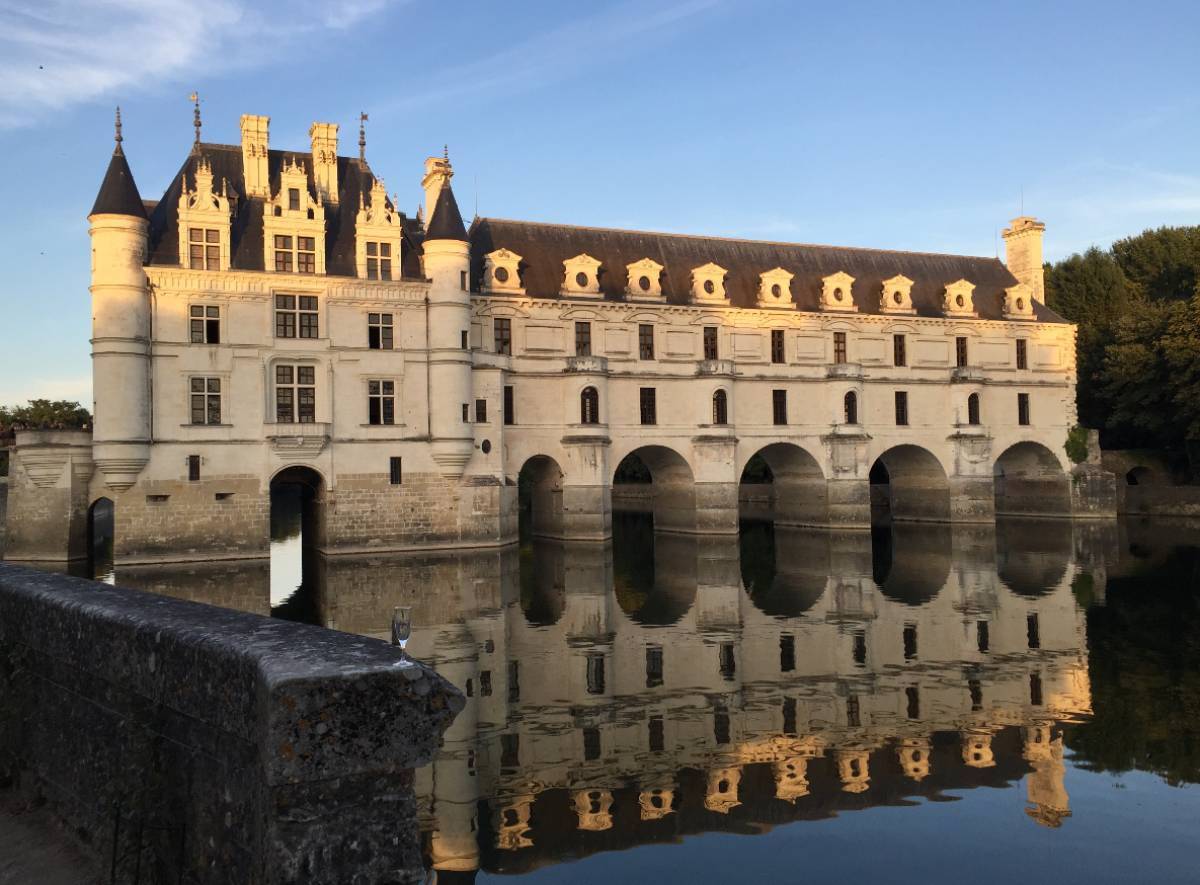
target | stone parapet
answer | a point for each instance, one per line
(48, 496)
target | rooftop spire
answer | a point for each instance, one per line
(362, 136)
(117, 136)
(195, 97)
(446, 152)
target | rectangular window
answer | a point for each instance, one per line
(654, 666)
(960, 351)
(485, 683)
(204, 248)
(1035, 689)
(379, 261)
(595, 673)
(645, 342)
(462, 280)
(975, 690)
(982, 636)
(294, 199)
(777, 355)
(860, 648)
(901, 408)
(910, 642)
(502, 330)
(913, 697)
(727, 662)
(853, 711)
(654, 734)
(839, 347)
(381, 402)
(514, 681)
(899, 351)
(205, 322)
(193, 468)
(789, 715)
(1033, 631)
(295, 394)
(710, 343)
(464, 341)
(779, 406)
(379, 331)
(591, 744)
(1023, 408)
(510, 412)
(787, 653)
(395, 471)
(296, 316)
(206, 400)
(510, 751)
(720, 727)
(466, 413)
(649, 405)
(1022, 354)
(583, 339)
(283, 254)
(481, 411)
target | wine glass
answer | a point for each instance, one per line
(401, 625)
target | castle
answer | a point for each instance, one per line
(274, 317)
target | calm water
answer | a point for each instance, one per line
(914, 705)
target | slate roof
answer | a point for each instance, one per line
(118, 193)
(447, 223)
(543, 248)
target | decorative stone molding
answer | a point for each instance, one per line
(45, 467)
(708, 284)
(587, 365)
(202, 209)
(959, 300)
(298, 440)
(837, 292)
(501, 273)
(593, 809)
(895, 296)
(581, 277)
(306, 220)
(844, 370)
(644, 280)
(324, 138)
(1018, 302)
(775, 288)
(715, 367)
(377, 222)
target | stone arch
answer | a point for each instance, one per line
(911, 563)
(657, 479)
(589, 405)
(1032, 556)
(101, 538)
(540, 497)
(720, 407)
(909, 484)
(784, 570)
(654, 574)
(1140, 476)
(543, 585)
(1030, 481)
(973, 416)
(298, 532)
(797, 486)
(850, 407)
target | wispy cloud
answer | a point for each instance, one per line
(59, 53)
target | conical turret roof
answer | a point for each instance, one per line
(447, 223)
(118, 194)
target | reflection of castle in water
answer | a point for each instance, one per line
(667, 685)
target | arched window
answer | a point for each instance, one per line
(851, 407)
(589, 406)
(720, 408)
(973, 409)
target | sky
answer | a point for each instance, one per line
(923, 126)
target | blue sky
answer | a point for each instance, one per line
(910, 126)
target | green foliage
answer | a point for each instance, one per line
(44, 414)
(1161, 264)
(1076, 444)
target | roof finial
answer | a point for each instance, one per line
(117, 134)
(195, 97)
(362, 136)
(446, 152)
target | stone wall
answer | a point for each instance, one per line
(203, 745)
(47, 497)
(3, 512)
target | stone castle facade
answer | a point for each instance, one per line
(274, 316)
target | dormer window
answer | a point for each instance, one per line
(204, 248)
(1018, 302)
(203, 222)
(708, 284)
(896, 295)
(581, 276)
(293, 225)
(379, 261)
(378, 235)
(837, 292)
(958, 300)
(644, 280)
(295, 253)
(775, 288)
(501, 272)
(294, 199)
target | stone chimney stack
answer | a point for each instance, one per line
(437, 173)
(324, 159)
(1023, 254)
(254, 155)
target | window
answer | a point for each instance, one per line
(710, 342)
(583, 339)
(466, 412)
(395, 471)
(485, 683)
(960, 351)
(649, 405)
(899, 350)
(462, 280)
(1023, 408)
(982, 637)
(973, 409)
(901, 408)
(1033, 632)
(789, 715)
(295, 253)
(727, 663)
(379, 331)
(913, 698)
(1035, 689)
(720, 727)
(853, 711)
(860, 648)
(193, 462)
(589, 406)
(850, 407)
(510, 750)
(779, 406)
(975, 689)
(481, 411)
(655, 734)
(204, 248)
(514, 681)
(654, 666)
(294, 199)
(720, 407)
(464, 343)
(379, 261)
(295, 394)
(839, 347)
(296, 316)
(206, 400)
(787, 653)
(502, 331)
(591, 744)
(645, 342)
(510, 412)
(910, 642)
(205, 322)
(1022, 354)
(595, 673)
(777, 346)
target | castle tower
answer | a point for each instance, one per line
(447, 267)
(1023, 254)
(120, 325)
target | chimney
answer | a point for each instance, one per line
(1023, 254)
(324, 159)
(437, 174)
(254, 155)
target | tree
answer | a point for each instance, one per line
(43, 414)
(1162, 263)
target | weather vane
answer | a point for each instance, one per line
(362, 136)
(195, 99)
(118, 137)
